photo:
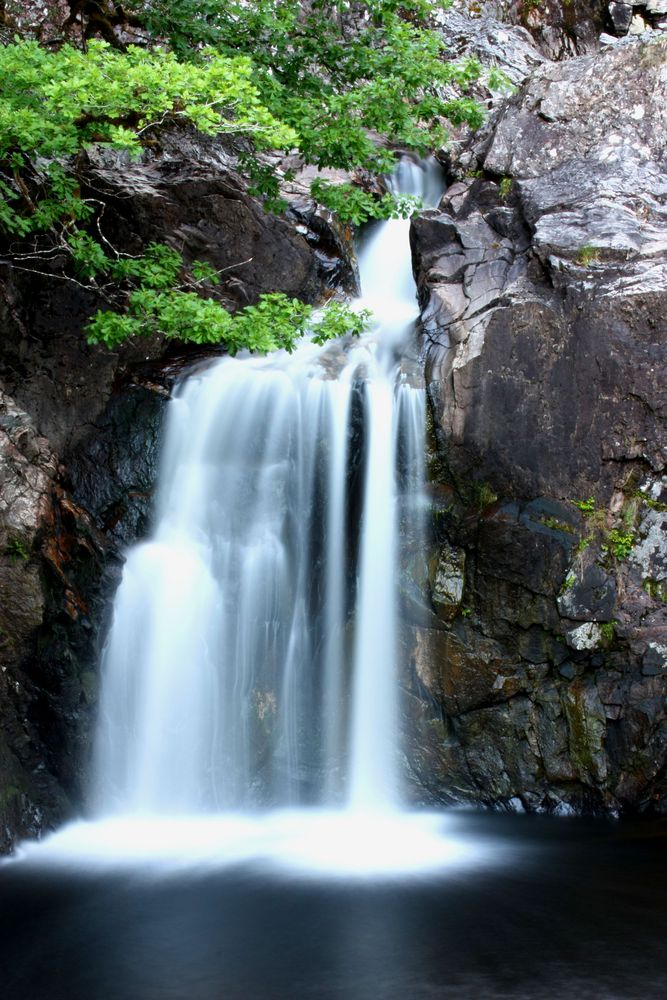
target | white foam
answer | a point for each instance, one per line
(318, 843)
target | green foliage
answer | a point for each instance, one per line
(619, 543)
(341, 83)
(588, 255)
(275, 322)
(327, 79)
(338, 320)
(333, 71)
(484, 495)
(504, 188)
(158, 300)
(608, 631)
(499, 81)
(55, 104)
(568, 583)
(354, 205)
(555, 525)
(582, 545)
(155, 295)
(17, 550)
(650, 502)
(656, 589)
(158, 269)
(204, 273)
(585, 506)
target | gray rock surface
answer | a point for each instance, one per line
(560, 30)
(491, 40)
(543, 282)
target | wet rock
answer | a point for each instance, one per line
(543, 282)
(654, 660)
(561, 30)
(27, 472)
(591, 379)
(493, 41)
(188, 193)
(185, 192)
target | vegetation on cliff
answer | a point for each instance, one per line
(342, 84)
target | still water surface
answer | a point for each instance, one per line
(562, 909)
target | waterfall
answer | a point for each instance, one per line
(251, 659)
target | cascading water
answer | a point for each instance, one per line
(225, 676)
(252, 655)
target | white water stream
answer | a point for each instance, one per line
(252, 656)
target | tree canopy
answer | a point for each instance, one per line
(342, 84)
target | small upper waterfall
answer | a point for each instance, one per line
(252, 654)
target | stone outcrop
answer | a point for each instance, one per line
(493, 42)
(79, 428)
(560, 28)
(543, 282)
(184, 192)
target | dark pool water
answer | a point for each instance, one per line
(571, 910)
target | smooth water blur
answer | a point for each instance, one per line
(568, 910)
(315, 844)
(252, 656)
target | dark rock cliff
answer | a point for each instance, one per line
(539, 658)
(79, 429)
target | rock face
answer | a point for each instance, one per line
(186, 193)
(543, 282)
(79, 430)
(560, 28)
(494, 42)
(27, 472)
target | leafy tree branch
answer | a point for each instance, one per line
(342, 83)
